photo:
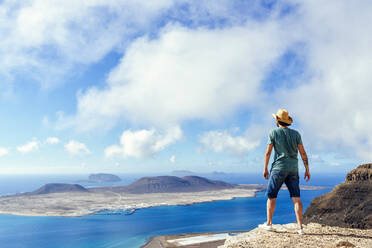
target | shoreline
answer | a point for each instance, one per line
(161, 241)
(136, 209)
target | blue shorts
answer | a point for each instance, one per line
(276, 180)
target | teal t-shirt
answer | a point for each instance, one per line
(285, 141)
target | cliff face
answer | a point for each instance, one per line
(362, 174)
(349, 204)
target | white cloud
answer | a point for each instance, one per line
(172, 159)
(52, 140)
(184, 74)
(218, 141)
(144, 143)
(76, 148)
(45, 39)
(28, 147)
(113, 150)
(3, 151)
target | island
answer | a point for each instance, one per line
(181, 173)
(74, 200)
(103, 178)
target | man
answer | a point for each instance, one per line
(284, 169)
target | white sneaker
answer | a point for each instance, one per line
(266, 226)
(300, 231)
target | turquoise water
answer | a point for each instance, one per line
(114, 231)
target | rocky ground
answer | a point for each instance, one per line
(317, 235)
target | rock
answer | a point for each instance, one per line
(316, 235)
(344, 244)
(349, 204)
(362, 174)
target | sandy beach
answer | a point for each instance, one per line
(201, 240)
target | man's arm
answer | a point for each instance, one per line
(267, 159)
(305, 160)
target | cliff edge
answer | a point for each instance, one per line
(349, 204)
(317, 235)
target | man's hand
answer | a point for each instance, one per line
(305, 160)
(266, 174)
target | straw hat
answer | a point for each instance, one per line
(283, 116)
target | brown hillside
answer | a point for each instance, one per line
(349, 204)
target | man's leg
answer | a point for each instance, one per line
(298, 210)
(270, 210)
(275, 182)
(292, 181)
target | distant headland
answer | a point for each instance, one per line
(101, 178)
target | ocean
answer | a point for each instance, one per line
(129, 231)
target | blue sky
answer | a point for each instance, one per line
(155, 86)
